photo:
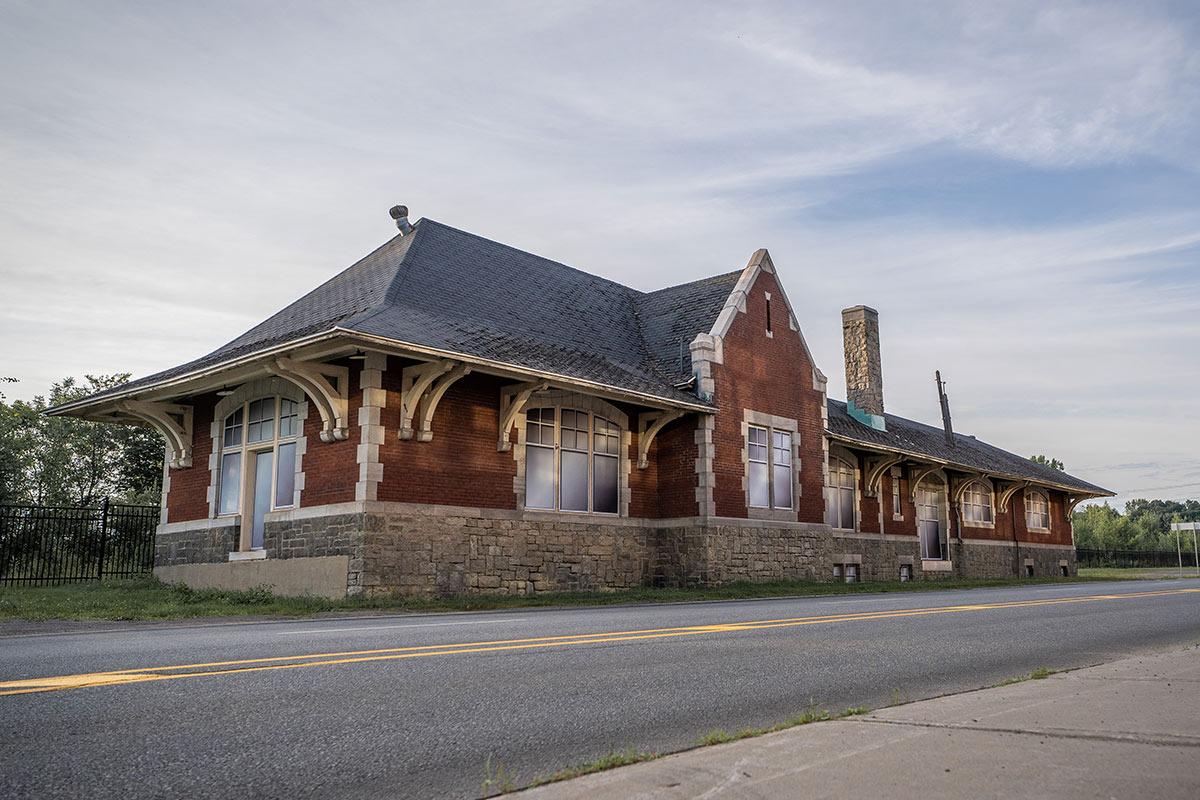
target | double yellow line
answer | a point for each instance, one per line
(205, 669)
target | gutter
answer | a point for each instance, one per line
(335, 332)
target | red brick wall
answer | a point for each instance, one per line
(868, 511)
(331, 468)
(673, 456)
(895, 527)
(772, 375)
(188, 495)
(460, 466)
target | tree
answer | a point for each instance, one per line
(1052, 463)
(69, 461)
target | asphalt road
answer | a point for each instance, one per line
(418, 706)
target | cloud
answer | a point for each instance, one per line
(1014, 186)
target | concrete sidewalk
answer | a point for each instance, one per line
(1126, 729)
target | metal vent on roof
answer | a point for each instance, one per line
(400, 214)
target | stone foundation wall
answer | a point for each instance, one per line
(881, 558)
(438, 551)
(198, 543)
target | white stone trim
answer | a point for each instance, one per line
(759, 262)
(706, 471)
(199, 525)
(370, 426)
(565, 398)
(248, 555)
(968, 541)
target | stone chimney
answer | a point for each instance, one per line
(864, 375)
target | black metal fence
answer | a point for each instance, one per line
(43, 545)
(1133, 558)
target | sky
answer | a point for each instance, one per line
(1015, 187)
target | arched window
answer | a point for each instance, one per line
(1037, 510)
(840, 494)
(572, 460)
(258, 460)
(977, 504)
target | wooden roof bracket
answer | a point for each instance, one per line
(876, 467)
(649, 424)
(414, 381)
(1007, 493)
(959, 487)
(433, 396)
(512, 402)
(172, 421)
(327, 386)
(920, 472)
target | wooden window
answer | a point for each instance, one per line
(1037, 511)
(261, 433)
(840, 494)
(976, 504)
(572, 461)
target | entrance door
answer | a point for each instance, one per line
(262, 496)
(929, 521)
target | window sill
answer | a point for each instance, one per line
(777, 514)
(248, 555)
(980, 525)
(1043, 531)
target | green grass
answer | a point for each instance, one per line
(610, 761)
(1038, 674)
(150, 599)
(811, 715)
(1135, 573)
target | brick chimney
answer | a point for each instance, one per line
(864, 375)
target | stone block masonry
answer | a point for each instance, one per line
(432, 551)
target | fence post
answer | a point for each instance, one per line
(103, 538)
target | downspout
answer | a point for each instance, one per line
(1012, 523)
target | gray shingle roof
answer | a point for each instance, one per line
(914, 437)
(446, 289)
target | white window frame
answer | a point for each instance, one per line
(977, 495)
(772, 424)
(771, 462)
(833, 492)
(1030, 494)
(897, 503)
(247, 450)
(558, 449)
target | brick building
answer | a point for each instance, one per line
(454, 415)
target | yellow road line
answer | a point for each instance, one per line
(173, 672)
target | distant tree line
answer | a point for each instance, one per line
(1145, 525)
(65, 461)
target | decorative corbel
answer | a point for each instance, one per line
(919, 473)
(1006, 494)
(649, 424)
(512, 401)
(876, 468)
(172, 421)
(433, 396)
(327, 385)
(959, 487)
(1072, 502)
(414, 381)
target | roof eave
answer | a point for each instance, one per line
(506, 367)
(1076, 490)
(189, 377)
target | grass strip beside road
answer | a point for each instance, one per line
(150, 599)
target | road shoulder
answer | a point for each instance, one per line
(1123, 729)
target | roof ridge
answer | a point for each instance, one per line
(591, 275)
